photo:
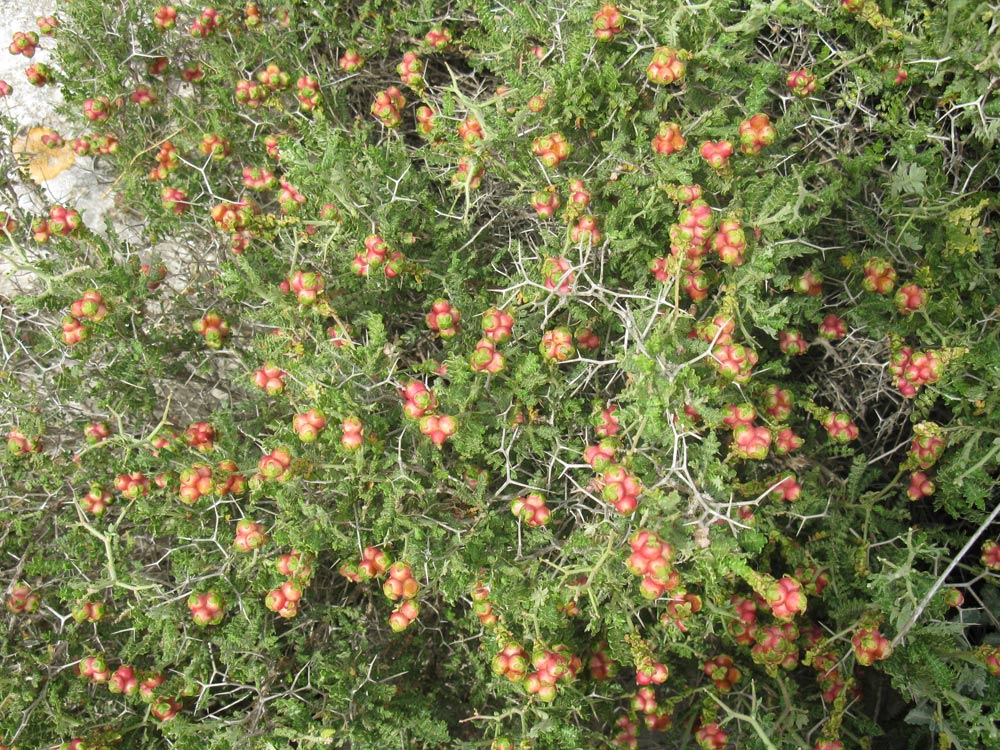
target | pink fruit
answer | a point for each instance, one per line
(666, 67)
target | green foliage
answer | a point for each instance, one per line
(872, 169)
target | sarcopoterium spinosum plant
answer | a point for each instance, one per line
(626, 380)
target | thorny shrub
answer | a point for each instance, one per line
(546, 375)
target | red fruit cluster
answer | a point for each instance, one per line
(668, 139)
(777, 403)
(730, 242)
(418, 399)
(95, 669)
(711, 736)
(880, 276)
(250, 535)
(443, 318)
(991, 659)
(550, 667)
(438, 39)
(792, 342)
(21, 600)
(388, 106)
(90, 306)
(24, 43)
(722, 673)
(920, 486)
(438, 428)
(808, 284)
(213, 329)
(470, 131)
(200, 436)
(787, 441)
(786, 598)
(404, 615)
(531, 509)
(649, 672)
(801, 82)
(215, 146)
(751, 442)
(486, 358)
(275, 465)
(206, 24)
(123, 681)
(132, 485)
(755, 133)
(551, 149)
(284, 600)
(910, 298)
(259, 178)
(165, 17)
(425, 119)
(294, 565)
(88, 611)
(195, 483)
(716, 153)
(776, 645)
(307, 286)
(839, 427)
(666, 67)
(545, 202)
(400, 584)
(373, 563)
(73, 331)
(468, 173)
(651, 558)
(228, 481)
(585, 230)
(557, 275)
(5, 90)
(47, 25)
(511, 662)
(913, 370)
(607, 23)
(744, 627)
(831, 682)
(96, 500)
(586, 339)
(600, 666)
(482, 606)
(38, 74)
(167, 161)
(62, 222)
(352, 433)
(351, 61)
(270, 378)
(289, 199)
(927, 445)
(832, 328)
(497, 325)
(621, 489)
(557, 345)
(175, 200)
(870, 646)
(373, 255)
(307, 92)
(165, 709)
(18, 444)
(579, 196)
(207, 608)
(600, 456)
(734, 361)
(308, 425)
(680, 607)
(143, 96)
(990, 555)
(411, 71)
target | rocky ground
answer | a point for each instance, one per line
(55, 177)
